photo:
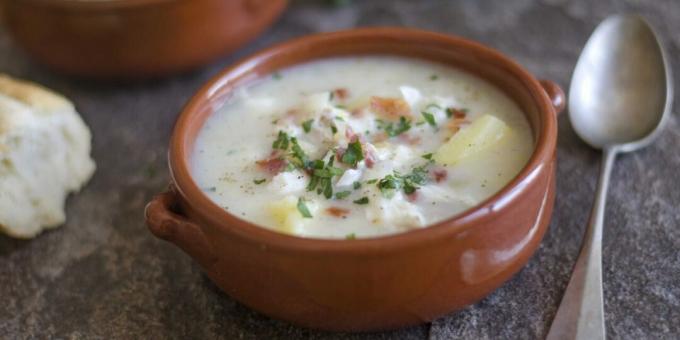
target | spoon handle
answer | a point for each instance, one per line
(580, 315)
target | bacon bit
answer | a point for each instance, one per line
(337, 212)
(412, 197)
(457, 113)
(369, 157)
(272, 165)
(341, 93)
(409, 139)
(370, 162)
(390, 108)
(439, 175)
(339, 152)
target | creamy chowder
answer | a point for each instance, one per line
(360, 146)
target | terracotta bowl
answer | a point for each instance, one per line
(377, 283)
(135, 38)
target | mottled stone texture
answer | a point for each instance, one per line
(103, 275)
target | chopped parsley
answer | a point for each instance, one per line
(353, 154)
(434, 77)
(259, 181)
(307, 125)
(297, 158)
(322, 174)
(392, 129)
(351, 236)
(418, 176)
(281, 141)
(323, 171)
(328, 172)
(389, 184)
(277, 76)
(363, 200)
(302, 208)
(313, 182)
(408, 183)
(342, 194)
(299, 155)
(429, 118)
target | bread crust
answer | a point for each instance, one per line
(32, 94)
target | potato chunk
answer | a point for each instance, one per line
(483, 133)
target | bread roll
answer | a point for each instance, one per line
(44, 155)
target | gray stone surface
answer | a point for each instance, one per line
(103, 275)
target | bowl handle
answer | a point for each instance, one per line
(555, 93)
(171, 226)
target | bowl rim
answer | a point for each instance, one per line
(97, 5)
(208, 211)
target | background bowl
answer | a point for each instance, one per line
(135, 38)
(376, 283)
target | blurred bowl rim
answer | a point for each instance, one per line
(96, 4)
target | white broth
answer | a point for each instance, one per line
(360, 146)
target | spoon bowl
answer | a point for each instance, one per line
(620, 90)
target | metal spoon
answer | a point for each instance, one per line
(620, 97)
